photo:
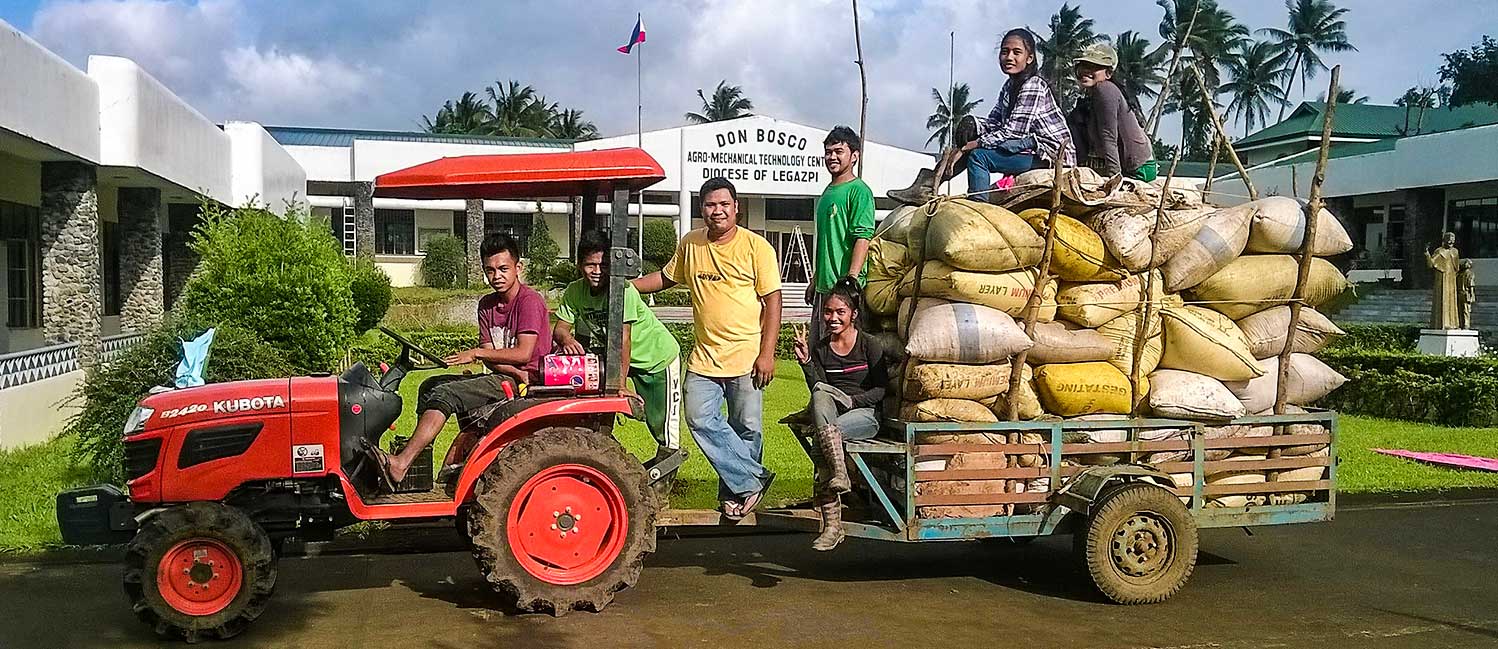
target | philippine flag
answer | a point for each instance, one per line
(637, 37)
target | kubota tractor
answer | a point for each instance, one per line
(559, 516)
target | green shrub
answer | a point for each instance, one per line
(541, 252)
(107, 396)
(659, 243)
(674, 296)
(370, 287)
(682, 331)
(374, 347)
(283, 278)
(561, 274)
(1415, 387)
(445, 264)
(1391, 338)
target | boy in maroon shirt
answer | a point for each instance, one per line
(514, 335)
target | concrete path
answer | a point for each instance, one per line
(1379, 576)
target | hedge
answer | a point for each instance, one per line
(1415, 387)
(1392, 338)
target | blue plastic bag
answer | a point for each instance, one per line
(194, 360)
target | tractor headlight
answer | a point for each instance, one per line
(137, 420)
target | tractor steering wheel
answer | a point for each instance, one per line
(407, 346)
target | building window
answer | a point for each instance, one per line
(20, 230)
(424, 236)
(109, 266)
(395, 232)
(517, 226)
(790, 209)
(1475, 223)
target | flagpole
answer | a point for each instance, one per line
(640, 133)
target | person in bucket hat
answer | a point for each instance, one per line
(1105, 123)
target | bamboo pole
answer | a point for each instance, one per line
(1175, 59)
(863, 88)
(1146, 292)
(1032, 305)
(1307, 245)
(1212, 165)
(1222, 133)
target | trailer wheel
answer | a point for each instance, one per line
(562, 520)
(1139, 545)
(199, 570)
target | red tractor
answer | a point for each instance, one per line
(559, 516)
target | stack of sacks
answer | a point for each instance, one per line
(1220, 280)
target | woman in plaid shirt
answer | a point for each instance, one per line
(1025, 130)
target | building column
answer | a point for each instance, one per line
(684, 213)
(72, 296)
(141, 290)
(473, 228)
(364, 219)
(1424, 212)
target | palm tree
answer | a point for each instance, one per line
(1255, 70)
(1139, 69)
(1214, 36)
(1070, 34)
(468, 116)
(519, 111)
(570, 125)
(1419, 99)
(949, 112)
(1314, 26)
(728, 102)
(1346, 96)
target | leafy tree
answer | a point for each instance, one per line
(728, 102)
(468, 116)
(1070, 34)
(1213, 37)
(283, 277)
(1255, 73)
(1417, 100)
(1473, 73)
(1314, 26)
(1139, 70)
(541, 252)
(1164, 153)
(660, 242)
(949, 110)
(445, 264)
(372, 295)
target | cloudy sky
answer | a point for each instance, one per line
(383, 64)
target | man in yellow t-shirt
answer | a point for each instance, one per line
(734, 280)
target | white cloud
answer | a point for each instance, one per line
(287, 84)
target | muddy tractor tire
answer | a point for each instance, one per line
(1139, 545)
(562, 520)
(201, 570)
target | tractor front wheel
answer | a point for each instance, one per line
(199, 570)
(562, 520)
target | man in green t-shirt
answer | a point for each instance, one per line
(845, 222)
(652, 353)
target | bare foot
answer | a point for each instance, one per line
(397, 468)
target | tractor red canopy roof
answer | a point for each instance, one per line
(523, 175)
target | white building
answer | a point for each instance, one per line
(776, 166)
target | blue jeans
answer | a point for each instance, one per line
(733, 445)
(855, 423)
(983, 162)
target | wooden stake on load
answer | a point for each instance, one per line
(1222, 134)
(863, 87)
(1032, 305)
(1146, 292)
(1175, 59)
(1307, 246)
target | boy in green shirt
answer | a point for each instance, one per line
(652, 353)
(845, 222)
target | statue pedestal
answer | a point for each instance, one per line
(1449, 342)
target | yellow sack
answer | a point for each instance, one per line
(1267, 329)
(1126, 231)
(887, 265)
(978, 236)
(953, 381)
(1071, 389)
(1078, 254)
(1254, 283)
(1007, 292)
(1121, 332)
(947, 410)
(1220, 240)
(1206, 342)
(1064, 342)
(1028, 406)
(896, 226)
(1094, 304)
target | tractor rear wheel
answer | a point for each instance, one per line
(562, 520)
(199, 570)
(1139, 545)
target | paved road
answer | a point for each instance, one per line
(1393, 576)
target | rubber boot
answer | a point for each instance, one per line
(919, 192)
(830, 443)
(831, 509)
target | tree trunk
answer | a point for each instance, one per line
(1289, 85)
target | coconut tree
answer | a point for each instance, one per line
(1212, 37)
(1254, 72)
(570, 125)
(469, 115)
(1314, 26)
(728, 102)
(1070, 33)
(1139, 70)
(1346, 96)
(949, 110)
(519, 111)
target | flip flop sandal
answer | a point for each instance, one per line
(731, 510)
(754, 499)
(381, 462)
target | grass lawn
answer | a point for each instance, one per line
(30, 478)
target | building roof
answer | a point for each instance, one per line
(1369, 121)
(312, 136)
